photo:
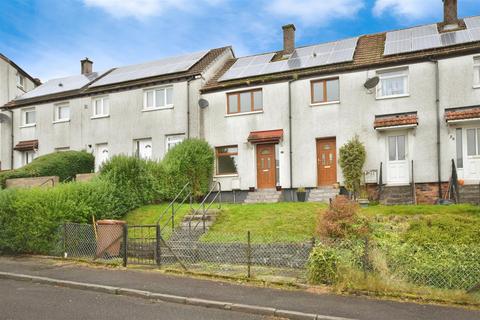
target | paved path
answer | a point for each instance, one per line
(297, 300)
(25, 301)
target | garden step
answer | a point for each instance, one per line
(323, 194)
(264, 196)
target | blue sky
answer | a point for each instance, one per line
(48, 38)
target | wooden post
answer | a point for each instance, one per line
(249, 254)
(125, 244)
(365, 259)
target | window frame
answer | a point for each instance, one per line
(20, 80)
(26, 159)
(57, 118)
(325, 92)
(224, 154)
(94, 109)
(154, 98)
(24, 112)
(252, 101)
(476, 72)
(384, 74)
(177, 137)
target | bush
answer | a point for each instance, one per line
(323, 265)
(341, 220)
(190, 161)
(65, 165)
(352, 159)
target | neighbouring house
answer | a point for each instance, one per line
(278, 119)
(14, 82)
(142, 109)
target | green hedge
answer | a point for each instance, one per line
(65, 165)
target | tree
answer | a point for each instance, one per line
(352, 159)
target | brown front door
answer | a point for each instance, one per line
(266, 166)
(326, 161)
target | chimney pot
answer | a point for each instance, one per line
(288, 39)
(450, 12)
(86, 66)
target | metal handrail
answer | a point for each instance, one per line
(172, 207)
(48, 180)
(202, 205)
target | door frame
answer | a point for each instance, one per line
(275, 149)
(317, 169)
(408, 151)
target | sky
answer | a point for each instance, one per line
(48, 38)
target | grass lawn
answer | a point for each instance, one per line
(421, 210)
(285, 221)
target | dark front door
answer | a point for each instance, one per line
(266, 166)
(326, 161)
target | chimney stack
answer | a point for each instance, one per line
(450, 13)
(86, 66)
(288, 39)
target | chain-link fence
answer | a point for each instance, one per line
(272, 258)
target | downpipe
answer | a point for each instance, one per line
(437, 114)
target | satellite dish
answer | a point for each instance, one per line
(371, 83)
(203, 103)
(4, 118)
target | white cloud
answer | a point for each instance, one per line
(141, 9)
(408, 9)
(318, 12)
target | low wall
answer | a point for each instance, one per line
(84, 177)
(49, 181)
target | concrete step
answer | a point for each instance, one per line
(323, 194)
(264, 196)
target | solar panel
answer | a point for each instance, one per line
(305, 57)
(428, 37)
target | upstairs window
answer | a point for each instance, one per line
(393, 84)
(101, 107)
(62, 112)
(245, 101)
(476, 72)
(20, 81)
(158, 98)
(29, 117)
(226, 160)
(325, 90)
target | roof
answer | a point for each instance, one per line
(23, 72)
(121, 78)
(462, 113)
(265, 136)
(369, 53)
(394, 120)
(26, 145)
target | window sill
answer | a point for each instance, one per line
(242, 113)
(319, 104)
(61, 121)
(476, 86)
(100, 117)
(393, 97)
(28, 125)
(157, 108)
(232, 175)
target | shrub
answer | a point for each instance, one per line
(341, 220)
(190, 161)
(65, 165)
(323, 265)
(352, 159)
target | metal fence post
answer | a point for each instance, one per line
(365, 259)
(249, 254)
(65, 241)
(173, 217)
(125, 244)
(158, 257)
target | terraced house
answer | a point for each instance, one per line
(278, 119)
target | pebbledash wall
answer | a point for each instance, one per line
(353, 115)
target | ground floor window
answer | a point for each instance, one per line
(172, 141)
(28, 156)
(226, 160)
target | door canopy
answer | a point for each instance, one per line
(268, 136)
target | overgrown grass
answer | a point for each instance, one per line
(285, 221)
(421, 210)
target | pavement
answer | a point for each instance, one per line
(350, 307)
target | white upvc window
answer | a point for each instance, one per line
(20, 81)
(172, 141)
(28, 156)
(28, 117)
(101, 107)
(62, 113)
(393, 84)
(158, 98)
(476, 72)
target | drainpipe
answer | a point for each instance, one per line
(188, 107)
(12, 144)
(290, 131)
(437, 114)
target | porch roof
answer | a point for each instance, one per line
(27, 145)
(395, 120)
(462, 113)
(273, 136)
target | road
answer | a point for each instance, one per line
(24, 300)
